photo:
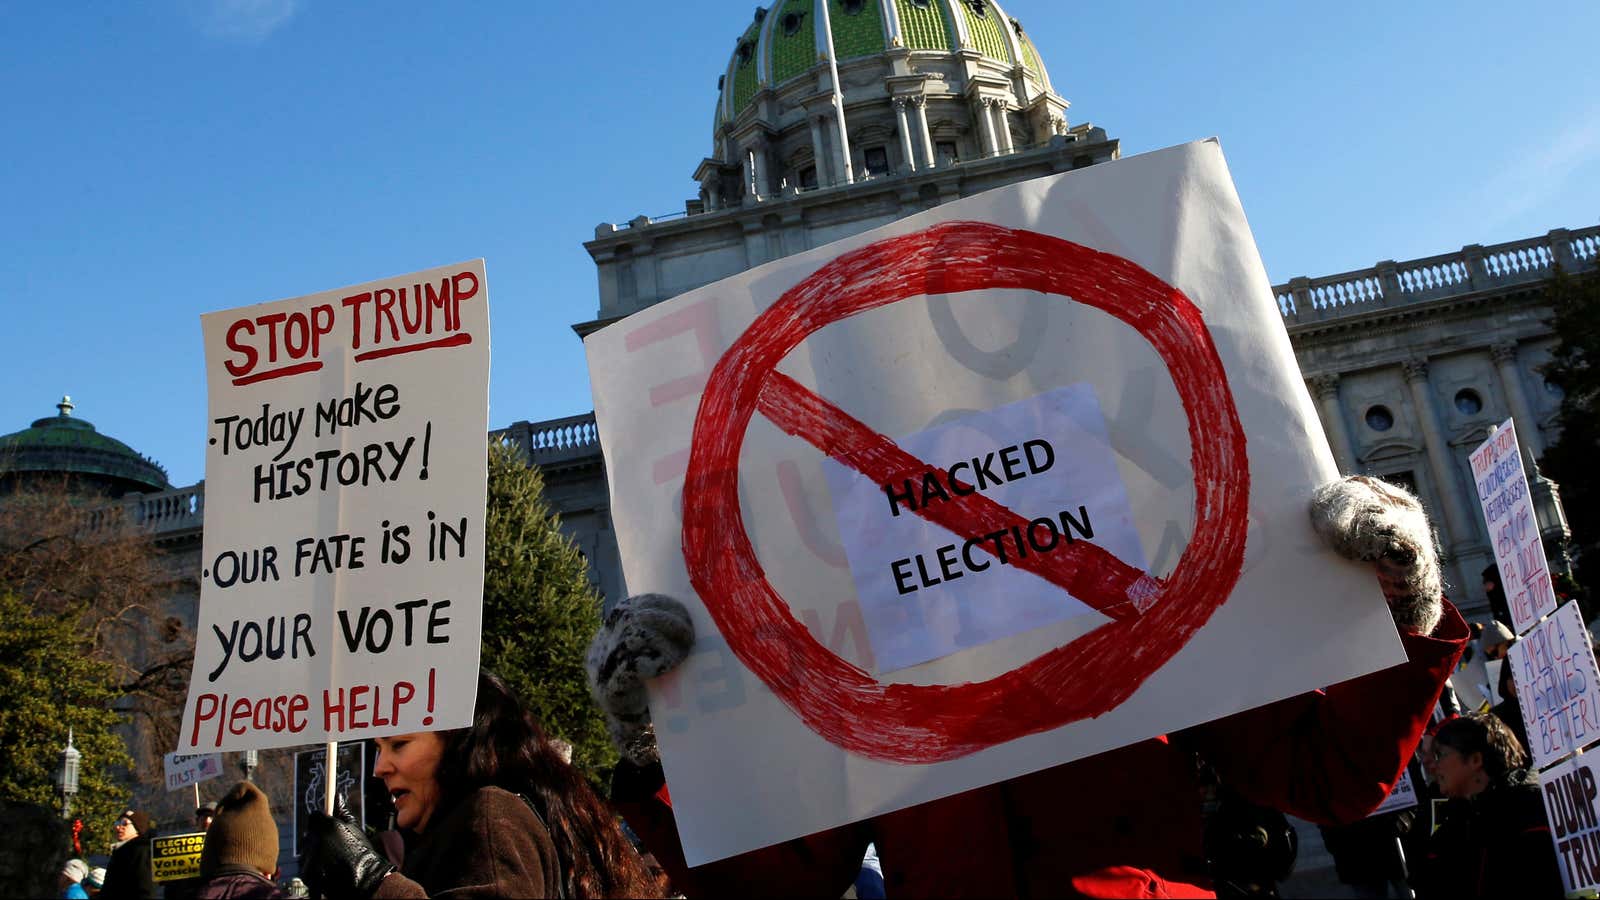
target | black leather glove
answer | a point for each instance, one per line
(339, 861)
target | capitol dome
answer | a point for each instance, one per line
(819, 93)
(64, 446)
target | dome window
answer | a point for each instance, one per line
(791, 23)
(1380, 419)
(1468, 402)
(979, 7)
(922, 4)
(747, 52)
(854, 7)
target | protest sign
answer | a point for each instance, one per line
(1558, 685)
(175, 857)
(997, 486)
(311, 785)
(1513, 528)
(1572, 807)
(1402, 796)
(342, 586)
(184, 770)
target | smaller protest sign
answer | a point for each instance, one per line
(1513, 529)
(1403, 796)
(1558, 684)
(1572, 807)
(185, 769)
(310, 784)
(177, 856)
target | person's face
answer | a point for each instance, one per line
(124, 829)
(1428, 767)
(409, 767)
(1460, 775)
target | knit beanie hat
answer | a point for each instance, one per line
(75, 870)
(141, 822)
(242, 834)
(95, 878)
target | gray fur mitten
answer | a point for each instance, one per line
(645, 636)
(1364, 518)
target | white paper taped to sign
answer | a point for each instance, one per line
(755, 428)
(926, 592)
(1513, 528)
(346, 474)
(184, 770)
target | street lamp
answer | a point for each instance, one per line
(248, 761)
(67, 777)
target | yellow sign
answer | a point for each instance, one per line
(176, 857)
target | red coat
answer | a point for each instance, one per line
(1125, 823)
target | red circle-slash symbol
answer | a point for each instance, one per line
(1151, 619)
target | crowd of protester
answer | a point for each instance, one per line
(497, 810)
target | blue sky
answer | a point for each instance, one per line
(173, 157)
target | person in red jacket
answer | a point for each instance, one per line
(1124, 823)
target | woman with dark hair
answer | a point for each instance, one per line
(1496, 843)
(488, 811)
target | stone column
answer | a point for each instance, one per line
(1326, 389)
(758, 151)
(1003, 125)
(987, 122)
(819, 151)
(921, 104)
(1457, 521)
(1505, 361)
(905, 134)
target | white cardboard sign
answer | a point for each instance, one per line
(1572, 807)
(1513, 528)
(1402, 796)
(184, 770)
(1558, 685)
(346, 479)
(753, 435)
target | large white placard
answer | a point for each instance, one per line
(751, 433)
(1513, 529)
(1558, 685)
(346, 474)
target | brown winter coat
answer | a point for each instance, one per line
(489, 844)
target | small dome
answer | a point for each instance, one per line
(63, 445)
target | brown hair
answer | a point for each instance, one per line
(506, 748)
(1484, 733)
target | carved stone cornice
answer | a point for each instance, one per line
(1415, 369)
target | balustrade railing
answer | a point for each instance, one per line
(1473, 268)
(554, 440)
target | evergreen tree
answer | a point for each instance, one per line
(50, 682)
(1575, 368)
(539, 610)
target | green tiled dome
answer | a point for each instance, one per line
(68, 446)
(786, 40)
